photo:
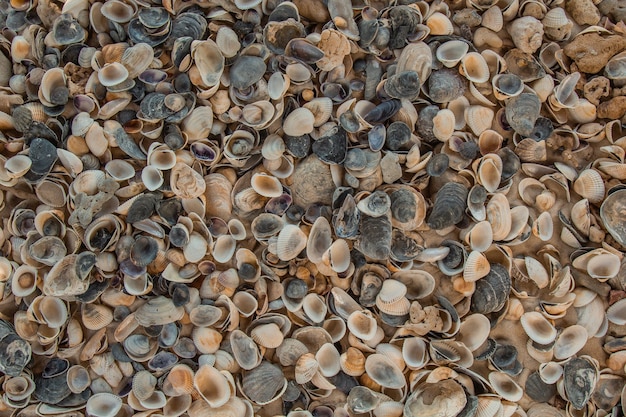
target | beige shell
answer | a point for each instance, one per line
(480, 236)
(338, 256)
(209, 61)
(185, 182)
(543, 226)
(474, 67)
(603, 266)
(450, 53)
(571, 340)
(306, 368)
(112, 74)
(266, 185)
(212, 386)
(206, 339)
(476, 267)
(590, 185)
(352, 362)
(291, 241)
(538, 328)
(24, 280)
(362, 324)
(53, 311)
(505, 386)
(96, 316)
(384, 371)
(499, 216)
(17, 166)
(479, 118)
(444, 124)
(314, 307)
(273, 147)
(328, 360)
(492, 19)
(299, 122)
(103, 404)
(78, 379)
(267, 335)
(245, 351)
(322, 108)
(439, 24)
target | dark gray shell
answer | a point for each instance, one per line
(51, 385)
(511, 163)
(403, 205)
(67, 30)
(144, 251)
(522, 112)
(43, 154)
(425, 125)
(15, 353)
(538, 390)
(438, 164)
(385, 110)
(398, 136)
(127, 144)
(303, 50)
(140, 34)
(346, 221)
(504, 356)
(492, 291)
(404, 85)
(445, 85)
(580, 377)
(142, 208)
(355, 159)
(543, 129)
(246, 71)
(262, 383)
(373, 74)
(375, 239)
(450, 205)
(332, 148)
(189, 24)
(613, 215)
(349, 121)
(403, 247)
(163, 361)
(298, 146)
(455, 259)
(376, 137)
(153, 17)
(404, 21)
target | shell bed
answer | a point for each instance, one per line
(312, 208)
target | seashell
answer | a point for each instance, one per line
(299, 122)
(451, 52)
(590, 185)
(527, 33)
(538, 328)
(78, 379)
(362, 324)
(615, 313)
(244, 349)
(103, 404)
(579, 378)
(209, 61)
(384, 371)
(571, 340)
(474, 67)
(405, 85)
(291, 241)
(439, 24)
(492, 19)
(266, 185)
(491, 291)
(443, 125)
(505, 386)
(610, 215)
(522, 112)
(476, 267)
(212, 386)
(479, 118)
(432, 398)
(267, 335)
(158, 311)
(506, 86)
(328, 360)
(264, 383)
(450, 204)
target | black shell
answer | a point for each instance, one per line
(375, 239)
(580, 377)
(15, 353)
(43, 155)
(404, 85)
(398, 136)
(403, 247)
(385, 110)
(445, 85)
(522, 112)
(450, 205)
(332, 148)
(492, 291)
(438, 164)
(537, 389)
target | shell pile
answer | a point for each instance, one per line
(313, 208)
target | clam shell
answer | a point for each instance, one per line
(212, 386)
(505, 386)
(570, 341)
(291, 241)
(538, 328)
(450, 53)
(384, 371)
(103, 405)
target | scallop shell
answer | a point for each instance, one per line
(474, 67)
(291, 241)
(590, 185)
